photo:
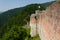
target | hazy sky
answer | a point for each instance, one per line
(10, 4)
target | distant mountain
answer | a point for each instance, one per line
(0, 12)
(10, 13)
(5, 16)
(47, 3)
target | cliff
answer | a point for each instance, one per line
(47, 25)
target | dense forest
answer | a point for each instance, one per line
(13, 23)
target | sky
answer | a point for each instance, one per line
(11, 4)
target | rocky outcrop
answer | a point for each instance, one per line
(47, 24)
(33, 25)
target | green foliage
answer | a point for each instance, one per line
(22, 17)
(18, 33)
(14, 33)
(12, 23)
(27, 11)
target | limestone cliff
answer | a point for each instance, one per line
(47, 23)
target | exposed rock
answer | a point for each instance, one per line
(33, 25)
(47, 25)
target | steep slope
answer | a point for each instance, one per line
(13, 21)
(17, 21)
(5, 16)
(8, 14)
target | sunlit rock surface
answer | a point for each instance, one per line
(47, 23)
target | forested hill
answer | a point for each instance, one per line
(29, 9)
(11, 22)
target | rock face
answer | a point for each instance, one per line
(33, 25)
(47, 24)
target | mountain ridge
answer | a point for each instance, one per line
(13, 21)
(13, 12)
